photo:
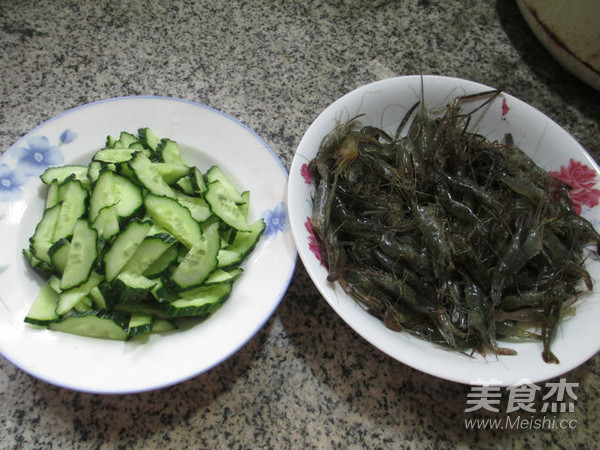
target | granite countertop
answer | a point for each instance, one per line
(306, 379)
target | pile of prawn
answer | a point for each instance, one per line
(446, 235)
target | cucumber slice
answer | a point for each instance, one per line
(94, 170)
(59, 253)
(98, 324)
(61, 173)
(123, 247)
(185, 185)
(74, 203)
(85, 304)
(98, 298)
(169, 151)
(171, 172)
(128, 196)
(148, 138)
(113, 189)
(149, 251)
(174, 218)
(68, 299)
(227, 258)
(218, 276)
(163, 263)
(244, 207)
(115, 155)
(140, 324)
(216, 174)
(131, 287)
(242, 244)
(82, 256)
(52, 197)
(43, 309)
(37, 264)
(111, 141)
(54, 283)
(127, 139)
(43, 236)
(149, 176)
(202, 302)
(103, 194)
(225, 207)
(198, 207)
(107, 222)
(199, 261)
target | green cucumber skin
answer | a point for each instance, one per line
(200, 261)
(124, 289)
(175, 218)
(96, 324)
(148, 138)
(216, 174)
(124, 246)
(82, 256)
(109, 190)
(149, 176)
(224, 207)
(74, 206)
(149, 252)
(60, 173)
(162, 266)
(69, 298)
(42, 239)
(43, 310)
(169, 151)
(202, 304)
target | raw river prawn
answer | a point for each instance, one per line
(446, 235)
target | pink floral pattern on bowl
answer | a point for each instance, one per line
(581, 180)
(305, 173)
(313, 245)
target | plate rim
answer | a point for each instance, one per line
(144, 97)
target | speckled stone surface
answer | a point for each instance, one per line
(305, 380)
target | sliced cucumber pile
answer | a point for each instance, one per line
(137, 239)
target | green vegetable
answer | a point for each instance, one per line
(135, 240)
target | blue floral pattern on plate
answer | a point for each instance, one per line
(37, 156)
(32, 159)
(276, 220)
(11, 181)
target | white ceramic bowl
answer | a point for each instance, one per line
(383, 104)
(206, 137)
(571, 34)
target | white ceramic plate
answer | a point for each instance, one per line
(384, 103)
(206, 136)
